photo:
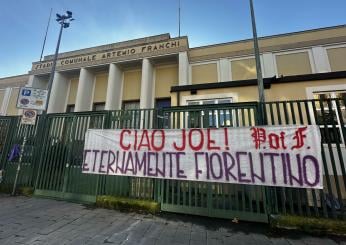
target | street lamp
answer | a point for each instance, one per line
(64, 21)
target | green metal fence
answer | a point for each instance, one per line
(330, 115)
(213, 199)
(53, 159)
(12, 133)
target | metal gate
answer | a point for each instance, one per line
(60, 173)
(213, 199)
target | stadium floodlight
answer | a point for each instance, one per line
(59, 17)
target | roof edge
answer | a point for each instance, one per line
(272, 36)
(22, 75)
(267, 81)
(163, 36)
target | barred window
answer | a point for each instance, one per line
(331, 115)
(131, 114)
(99, 106)
(209, 118)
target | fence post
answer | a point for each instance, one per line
(262, 121)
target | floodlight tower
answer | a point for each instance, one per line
(64, 21)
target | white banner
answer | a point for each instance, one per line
(275, 156)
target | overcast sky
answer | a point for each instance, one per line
(23, 23)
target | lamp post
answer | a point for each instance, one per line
(257, 56)
(64, 21)
(261, 97)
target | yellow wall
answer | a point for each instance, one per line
(243, 69)
(293, 64)
(244, 93)
(165, 78)
(269, 44)
(304, 36)
(277, 92)
(2, 94)
(100, 91)
(337, 58)
(206, 73)
(219, 49)
(11, 109)
(73, 91)
(290, 91)
(132, 85)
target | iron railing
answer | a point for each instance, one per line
(53, 158)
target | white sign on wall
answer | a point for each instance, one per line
(32, 98)
(287, 156)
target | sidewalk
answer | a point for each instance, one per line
(36, 221)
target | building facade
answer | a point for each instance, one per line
(161, 71)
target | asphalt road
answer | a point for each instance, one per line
(36, 221)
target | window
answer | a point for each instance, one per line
(336, 56)
(296, 63)
(161, 119)
(99, 106)
(328, 115)
(130, 105)
(243, 69)
(204, 73)
(70, 108)
(131, 114)
(163, 103)
(203, 118)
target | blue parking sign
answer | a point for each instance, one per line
(26, 92)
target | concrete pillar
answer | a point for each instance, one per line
(5, 101)
(183, 69)
(37, 82)
(320, 60)
(225, 74)
(85, 90)
(268, 65)
(147, 85)
(59, 93)
(31, 80)
(114, 88)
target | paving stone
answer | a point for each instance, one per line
(315, 240)
(182, 239)
(198, 236)
(279, 241)
(34, 221)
